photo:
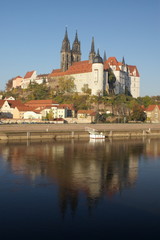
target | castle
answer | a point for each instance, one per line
(90, 74)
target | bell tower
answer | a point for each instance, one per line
(76, 49)
(66, 60)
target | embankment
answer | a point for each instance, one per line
(77, 131)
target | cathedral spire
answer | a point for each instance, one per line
(123, 61)
(76, 49)
(66, 60)
(65, 43)
(104, 58)
(92, 52)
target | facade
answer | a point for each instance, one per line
(17, 82)
(153, 113)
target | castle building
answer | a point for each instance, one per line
(93, 73)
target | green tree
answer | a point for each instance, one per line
(66, 85)
(111, 81)
(86, 89)
(138, 114)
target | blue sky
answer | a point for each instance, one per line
(32, 32)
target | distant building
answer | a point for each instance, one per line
(93, 73)
(153, 113)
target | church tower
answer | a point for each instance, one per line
(66, 60)
(92, 53)
(76, 50)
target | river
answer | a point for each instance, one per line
(82, 189)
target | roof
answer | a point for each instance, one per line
(1, 102)
(16, 77)
(48, 101)
(150, 108)
(24, 108)
(14, 103)
(77, 67)
(89, 112)
(29, 74)
(133, 69)
(69, 106)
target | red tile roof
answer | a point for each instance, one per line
(14, 103)
(16, 77)
(132, 69)
(150, 108)
(1, 102)
(29, 74)
(77, 67)
(89, 112)
(40, 103)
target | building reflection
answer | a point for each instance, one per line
(94, 169)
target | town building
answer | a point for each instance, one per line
(153, 113)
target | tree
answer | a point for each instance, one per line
(38, 91)
(66, 85)
(138, 114)
(86, 89)
(111, 81)
(9, 84)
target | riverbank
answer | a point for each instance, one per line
(62, 131)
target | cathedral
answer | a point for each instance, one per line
(94, 72)
(92, 75)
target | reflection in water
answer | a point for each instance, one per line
(117, 182)
(94, 168)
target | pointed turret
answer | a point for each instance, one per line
(92, 52)
(97, 58)
(76, 51)
(65, 43)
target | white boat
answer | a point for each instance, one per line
(95, 134)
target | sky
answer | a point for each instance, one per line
(31, 34)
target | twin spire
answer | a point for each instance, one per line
(68, 55)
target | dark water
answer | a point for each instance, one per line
(80, 189)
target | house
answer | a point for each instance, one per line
(153, 113)
(18, 112)
(17, 82)
(8, 107)
(41, 104)
(32, 115)
(28, 78)
(86, 116)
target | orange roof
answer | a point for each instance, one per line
(24, 108)
(40, 103)
(77, 67)
(89, 112)
(16, 77)
(150, 108)
(132, 69)
(112, 61)
(69, 106)
(14, 103)
(29, 74)
(1, 102)
(48, 101)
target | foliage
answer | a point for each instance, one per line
(138, 114)
(9, 84)
(38, 91)
(50, 115)
(86, 89)
(146, 101)
(111, 80)
(66, 85)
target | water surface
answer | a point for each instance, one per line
(80, 189)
